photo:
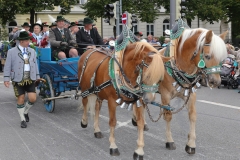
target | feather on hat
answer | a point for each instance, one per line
(51, 18)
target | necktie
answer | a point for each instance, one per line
(24, 51)
(62, 32)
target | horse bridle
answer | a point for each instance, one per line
(202, 64)
(145, 88)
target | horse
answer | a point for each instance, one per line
(139, 65)
(198, 54)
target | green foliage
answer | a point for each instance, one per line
(238, 36)
(206, 10)
(146, 10)
(4, 35)
(161, 39)
(9, 8)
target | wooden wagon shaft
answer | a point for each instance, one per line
(63, 96)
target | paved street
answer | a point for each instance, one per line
(58, 135)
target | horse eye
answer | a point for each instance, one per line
(207, 57)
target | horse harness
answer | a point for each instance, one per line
(126, 91)
(182, 79)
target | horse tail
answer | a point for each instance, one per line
(91, 104)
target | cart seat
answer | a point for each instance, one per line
(45, 54)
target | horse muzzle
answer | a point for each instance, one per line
(213, 80)
(148, 97)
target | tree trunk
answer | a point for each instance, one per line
(32, 14)
(189, 22)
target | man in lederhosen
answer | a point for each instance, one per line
(22, 69)
(60, 38)
(88, 35)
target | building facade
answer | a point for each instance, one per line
(156, 28)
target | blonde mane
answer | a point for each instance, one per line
(217, 45)
(155, 70)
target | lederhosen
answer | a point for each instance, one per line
(64, 49)
(26, 84)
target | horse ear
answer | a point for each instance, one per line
(166, 59)
(162, 50)
(208, 38)
(223, 35)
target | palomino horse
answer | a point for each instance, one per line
(199, 51)
(138, 59)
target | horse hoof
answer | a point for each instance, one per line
(137, 157)
(134, 122)
(170, 145)
(114, 152)
(98, 135)
(83, 125)
(146, 127)
(189, 150)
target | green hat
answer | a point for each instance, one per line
(87, 20)
(53, 24)
(44, 24)
(25, 24)
(60, 18)
(24, 36)
(73, 24)
(67, 21)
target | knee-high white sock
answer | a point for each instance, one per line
(21, 109)
(28, 105)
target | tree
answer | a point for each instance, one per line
(9, 8)
(205, 10)
(147, 10)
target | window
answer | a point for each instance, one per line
(150, 29)
(165, 26)
(82, 1)
(134, 28)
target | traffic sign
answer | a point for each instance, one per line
(124, 18)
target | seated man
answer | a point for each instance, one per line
(60, 38)
(26, 27)
(88, 37)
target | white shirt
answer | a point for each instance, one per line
(62, 31)
(38, 38)
(25, 56)
(87, 31)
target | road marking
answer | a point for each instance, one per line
(219, 104)
(126, 124)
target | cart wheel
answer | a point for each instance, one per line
(49, 92)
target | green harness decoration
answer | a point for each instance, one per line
(210, 70)
(201, 63)
(126, 36)
(178, 29)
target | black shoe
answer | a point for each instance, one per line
(26, 117)
(23, 124)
